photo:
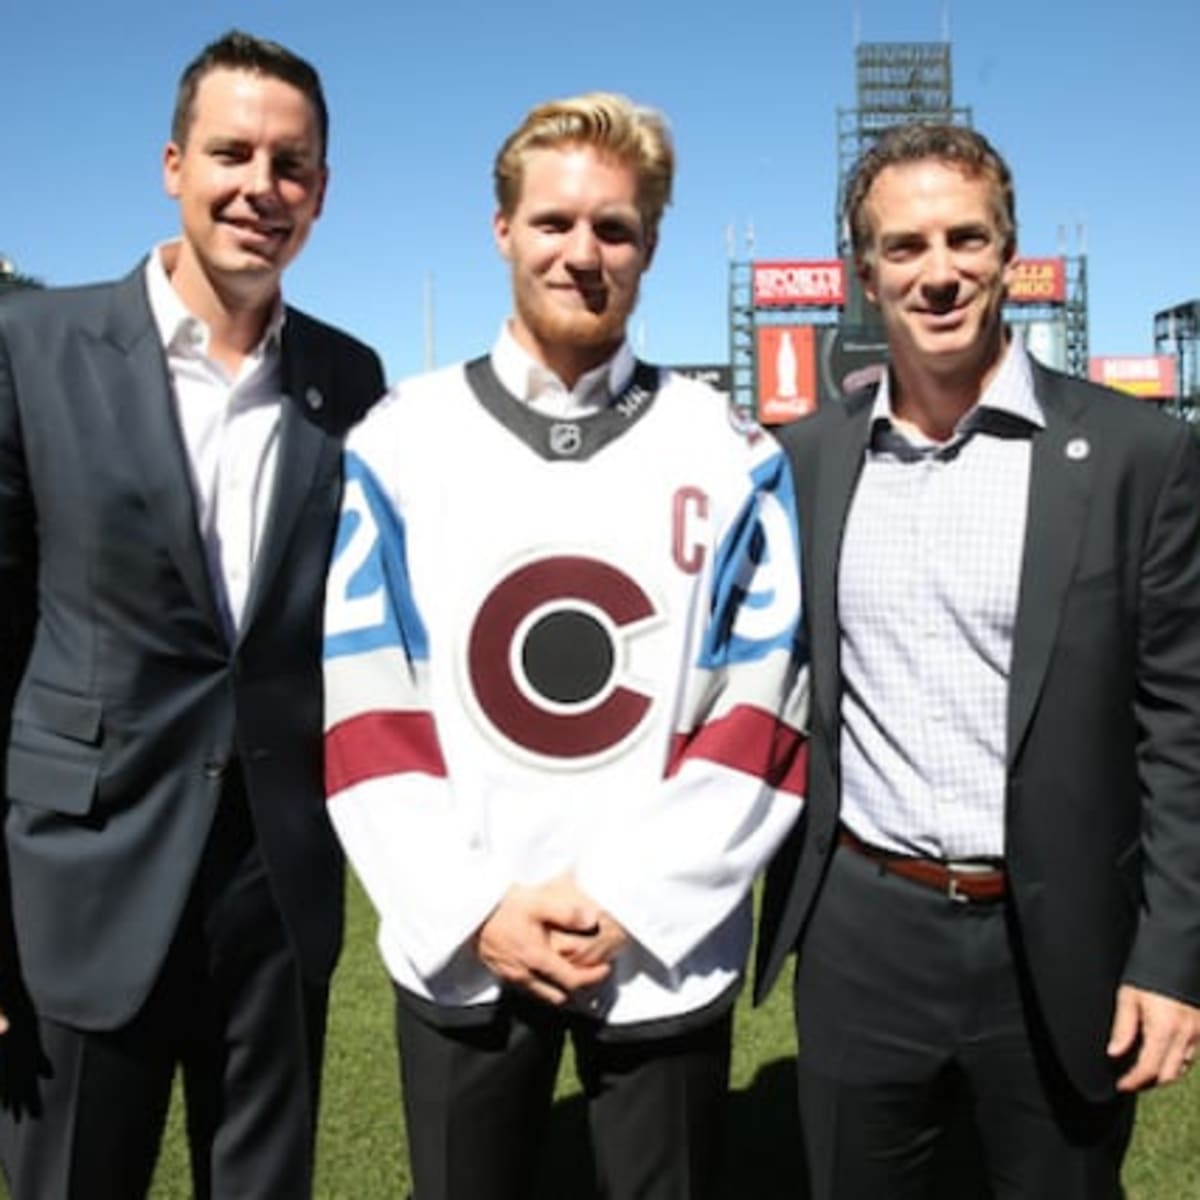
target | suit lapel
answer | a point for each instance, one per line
(302, 446)
(837, 476)
(1060, 488)
(137, 388)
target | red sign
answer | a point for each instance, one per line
(782, 284)
(787, 372)
(1150, 376)
(1038, 281)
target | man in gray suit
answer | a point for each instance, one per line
(996, 892)
(169, 480)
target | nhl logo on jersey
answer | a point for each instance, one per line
(546, 657)
(566, 438)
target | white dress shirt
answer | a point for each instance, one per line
(230, 428)
(539, 387)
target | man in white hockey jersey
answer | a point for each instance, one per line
(562, 683)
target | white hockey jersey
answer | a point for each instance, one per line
(564, 645)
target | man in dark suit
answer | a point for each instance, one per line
(996, 893)
(169, 481)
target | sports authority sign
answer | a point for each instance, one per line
(784, 284)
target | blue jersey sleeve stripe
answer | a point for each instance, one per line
(756, 568)
(370, 601)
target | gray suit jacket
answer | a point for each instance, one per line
(1102, 806)
(127, 707)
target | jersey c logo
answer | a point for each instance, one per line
(546, 655)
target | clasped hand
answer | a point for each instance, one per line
(551, 939)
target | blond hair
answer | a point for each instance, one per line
(635, 136)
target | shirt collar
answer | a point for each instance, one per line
(528, 380)
(178, 329)
(1009, 392)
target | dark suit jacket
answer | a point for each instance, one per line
(127, 706)
(1102, 806)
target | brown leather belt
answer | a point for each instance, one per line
(984, 886)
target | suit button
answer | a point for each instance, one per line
(214, 769)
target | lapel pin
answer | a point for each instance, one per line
(313, 397)
(1078, 449)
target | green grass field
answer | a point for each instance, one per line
(361, 1153)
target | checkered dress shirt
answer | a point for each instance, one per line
(927, 596)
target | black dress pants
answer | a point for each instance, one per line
(477, 1098)
(911, 1013)
(82, 1112)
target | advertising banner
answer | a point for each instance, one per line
(1150, 376)
(850, 358)
(812, 282)
(786, 372)
(1038, 281)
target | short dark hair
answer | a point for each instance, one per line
(955, 145)
(238, 51)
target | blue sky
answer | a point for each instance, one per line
(1094, 104)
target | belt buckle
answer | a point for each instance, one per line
(954, 893)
